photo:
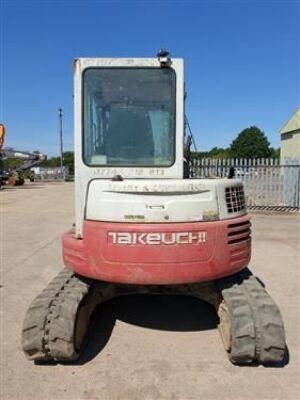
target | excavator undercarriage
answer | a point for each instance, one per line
(250, 323)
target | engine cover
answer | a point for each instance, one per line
(158, 200)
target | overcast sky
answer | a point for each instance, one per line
(242, 61)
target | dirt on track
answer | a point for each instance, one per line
(141, 347)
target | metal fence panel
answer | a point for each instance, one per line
(267, 183)
(50, 173)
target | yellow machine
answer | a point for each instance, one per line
(2, 134)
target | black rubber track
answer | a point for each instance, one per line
(48, 329)
(60, 328)
(242, 325)
(33, 332)
(257, 330)
(269, 328)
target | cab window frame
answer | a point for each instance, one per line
(174, 103)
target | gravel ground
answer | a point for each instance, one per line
(141, 347)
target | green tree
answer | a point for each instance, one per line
(215, 152)
(275, 153)
(68, 157)
(12, 163)
(218, 152)
(250, 143)
(69, 161)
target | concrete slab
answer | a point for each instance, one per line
(141, 347)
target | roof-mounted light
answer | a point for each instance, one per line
(164, 58)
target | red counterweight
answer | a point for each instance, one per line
(159, 253)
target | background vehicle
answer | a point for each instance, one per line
(142, 224)
(16, 176)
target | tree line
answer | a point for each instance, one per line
(68, 161)
(249, 143)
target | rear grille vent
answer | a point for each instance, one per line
(235, 199)
(239, 232)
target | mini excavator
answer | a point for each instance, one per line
(143, 223)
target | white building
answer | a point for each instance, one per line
(290, 138)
